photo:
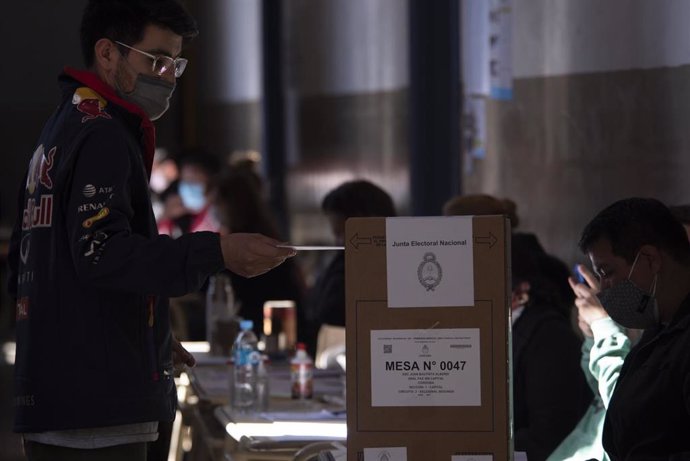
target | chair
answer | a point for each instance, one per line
(321, 451)
(330, 347)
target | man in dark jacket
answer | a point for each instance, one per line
(642, 257)
(91, 275)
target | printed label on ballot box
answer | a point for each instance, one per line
(425, 367)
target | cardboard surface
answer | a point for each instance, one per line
(442, 346)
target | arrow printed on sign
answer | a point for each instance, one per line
(486, 240)
(356, 241)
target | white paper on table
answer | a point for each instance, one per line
(433, 367)
(429, 261)
(385, 453)
(317, 415)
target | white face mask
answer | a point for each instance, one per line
(151, 94)
(629, 305)
(158, 181)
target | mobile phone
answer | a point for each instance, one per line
(578, 275)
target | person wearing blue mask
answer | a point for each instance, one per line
(90, 275)
(188, 210)
(197, 170)
(641, 255)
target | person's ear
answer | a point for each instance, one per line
(106, 56)
(652, 255)
(520, 294)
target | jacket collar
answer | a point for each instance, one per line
(94, 82)
(682, 315)
(680, 321)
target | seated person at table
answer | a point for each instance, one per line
(642, 256)
(197, 170)
(326, 299)
(550, 393)
(240, 207)
(603, 352)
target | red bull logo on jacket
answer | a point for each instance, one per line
(38, 214)
(90, 103)
(39, 169)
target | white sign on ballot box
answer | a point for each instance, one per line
(429, 261)
(425, 367)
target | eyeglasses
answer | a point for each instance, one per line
(162, 64)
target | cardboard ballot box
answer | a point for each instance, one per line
(428, 339)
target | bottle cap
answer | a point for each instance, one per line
(246, 325)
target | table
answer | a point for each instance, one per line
(218, 433)
(280, 433)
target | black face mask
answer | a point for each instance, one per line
(629, 305)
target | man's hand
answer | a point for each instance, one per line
(250, 255)
(589, 308)
(584, 326)
(181, 355)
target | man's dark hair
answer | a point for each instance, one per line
(546, 274)
(358, 199)
(239, 197)
(681, 213)
(125, 21)
(628, 224)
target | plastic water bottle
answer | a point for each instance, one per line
(246, 358)
(301, 374)
(263, 391)
(221, 323)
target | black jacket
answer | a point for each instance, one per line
(90, 273)
(324, 303)
(327, 297)
(648, 418)
(550, 392)
(282, 283)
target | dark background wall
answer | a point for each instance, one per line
(601, 96)
(40, 37)
(600, 101)
(587, 140)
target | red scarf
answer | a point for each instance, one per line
(94, 82)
